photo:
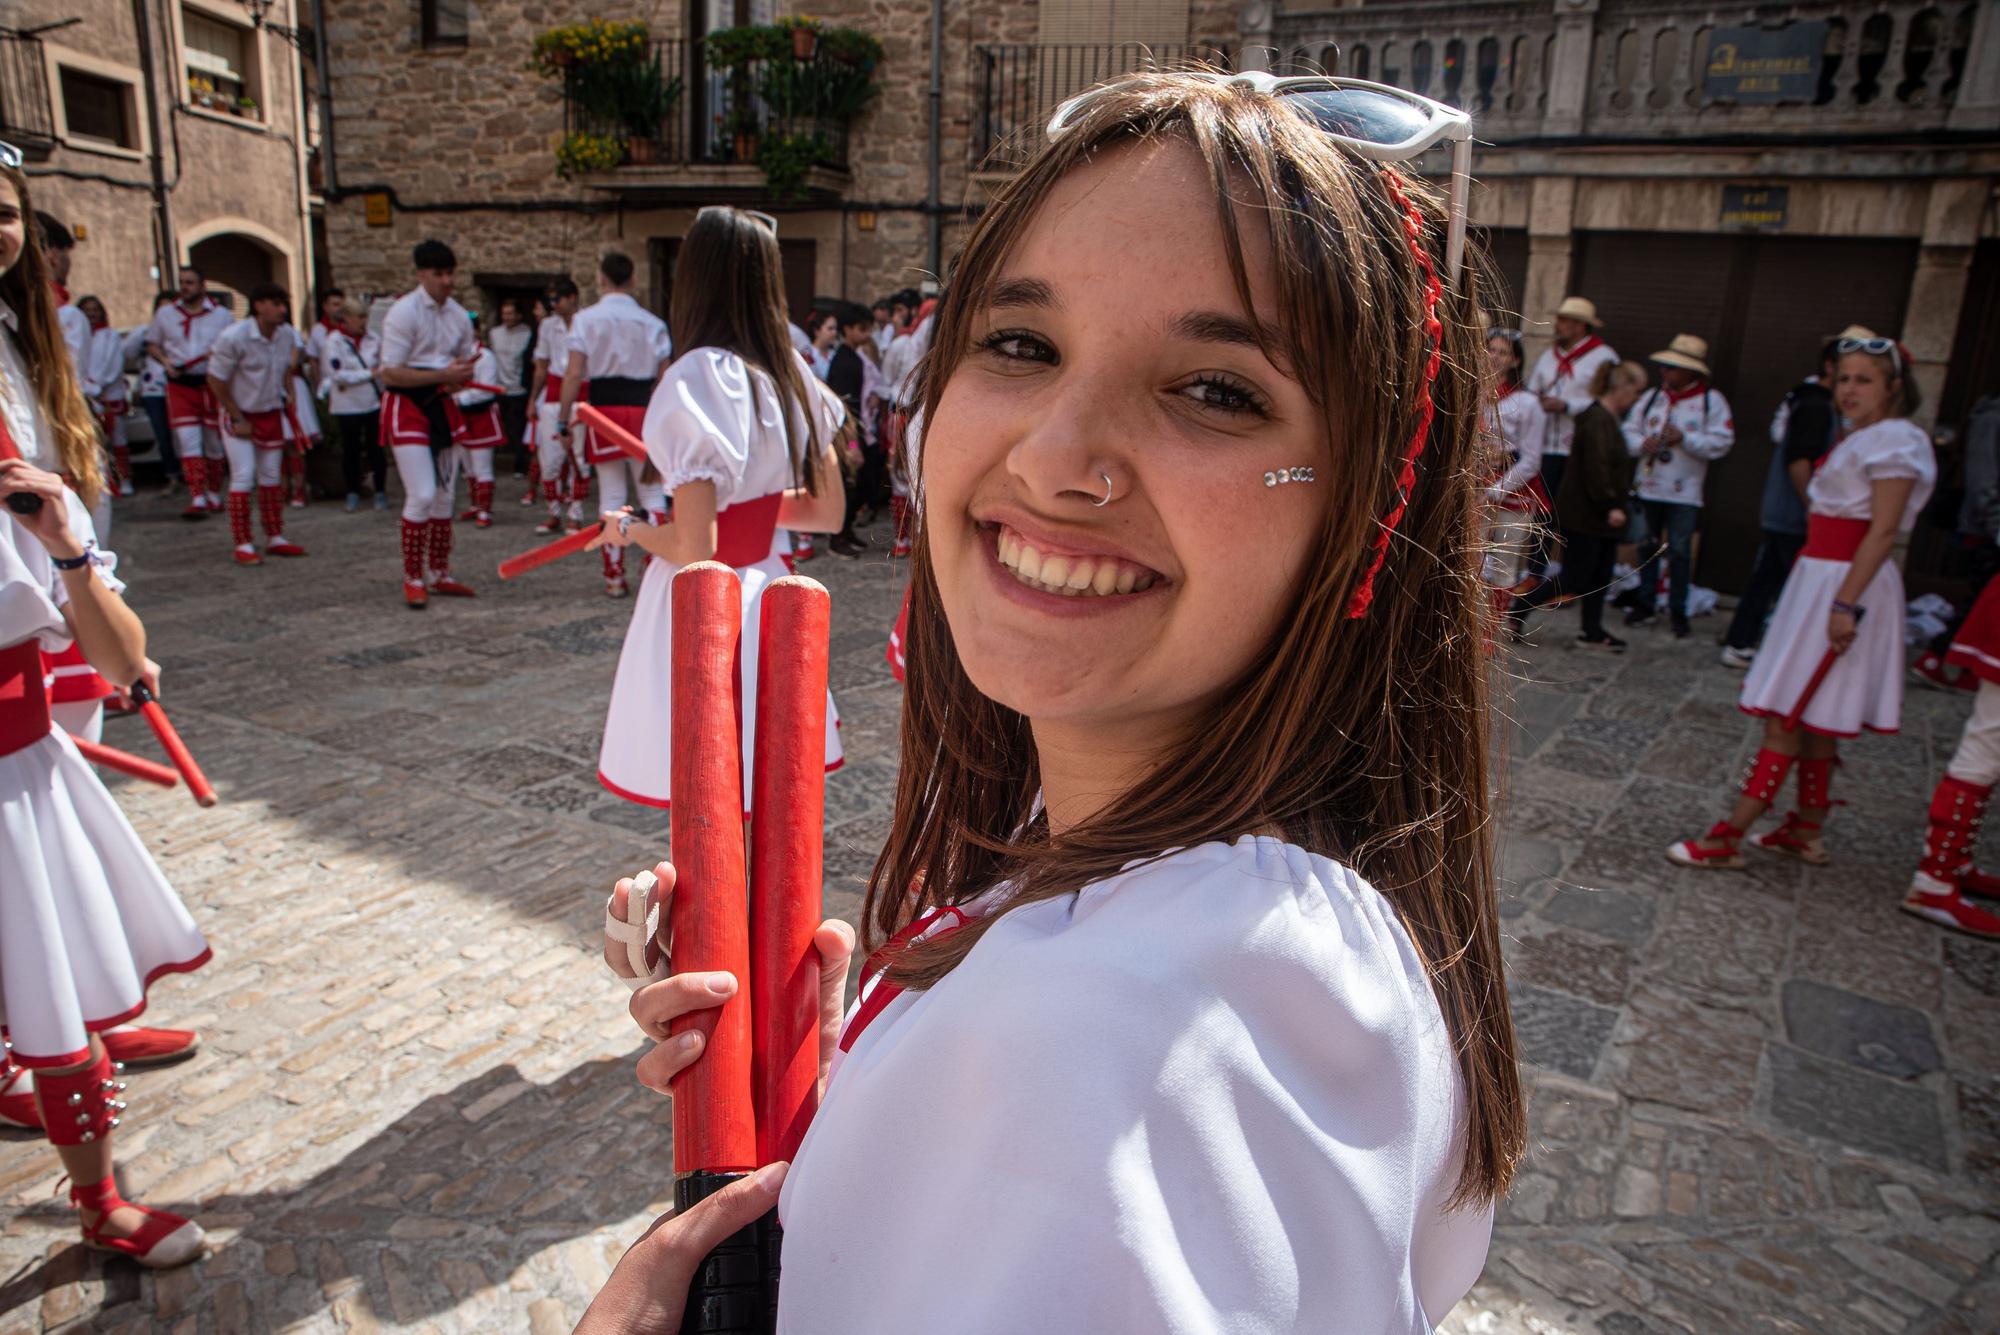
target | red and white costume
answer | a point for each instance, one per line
(1864, 689)
(1228, 1064)
(1708, 430)
(90, 921)
(103, 376)
(625, 347)
(557, 459)
(1566, 374)
(1512, 425)
(421, 426)
(714, 418)
(257, 369)
(184, 335)
(1947, 874)
(480, 412)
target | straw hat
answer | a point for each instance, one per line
(1687, 352)
(1857, 331)
(1580, 308)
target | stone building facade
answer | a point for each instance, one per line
(163, 133)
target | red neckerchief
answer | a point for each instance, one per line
(1566, 361)
(330, 326)
(188, 317)
(885, 991)
(100, 324)
(62, 293)
(1695, 390)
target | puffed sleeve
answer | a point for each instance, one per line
(1211, 1094)
(700, 422)
(224, 356)
(105, 566)
(1904, 452)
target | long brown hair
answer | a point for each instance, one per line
(28, 290)
(1360, 739)
(728, 294)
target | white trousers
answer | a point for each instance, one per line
(251, 467)
(476, 464)
(196, 441)
(549, 448)
(427, 485)
(1977, 759)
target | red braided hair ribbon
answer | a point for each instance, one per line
(1413, 229)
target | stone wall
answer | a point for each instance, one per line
(224, 175)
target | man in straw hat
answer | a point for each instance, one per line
(1561, 380)
(1804, 428)
(1675, 432)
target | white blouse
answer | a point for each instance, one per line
(1517, 423)
(1212, 1092)
(715, 418)
(1843, 488)
(26, 422)
(31, 589)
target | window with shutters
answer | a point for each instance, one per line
(1095, 21)
(221, 58)
(98, 108)
(447, 23)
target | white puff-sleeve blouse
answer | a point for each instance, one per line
(1212, 1093)
(715, 418)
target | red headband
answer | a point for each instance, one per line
(1413, 228)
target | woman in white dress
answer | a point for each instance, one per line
(89, 922)
(1511, 427)
(742, 435)
(1844, 595)
(1185, 1011)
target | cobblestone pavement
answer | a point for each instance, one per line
(1760, 1102)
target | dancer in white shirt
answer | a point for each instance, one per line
(251, 373)
(482, 437)
(427, 353)
(348, 357)
(179, 341)
(618, 348)
(103, 375)
(563, 470)
(1185, 1006)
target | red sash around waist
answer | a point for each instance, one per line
(267, 428)
(552, 390)
(72, 680)
(1830, 539)
(744, 531)
(598, 450)
(24, 702)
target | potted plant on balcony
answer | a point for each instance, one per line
(803, 31)
(246, 107)
(640, 97)
(786, 158)
(582, 153)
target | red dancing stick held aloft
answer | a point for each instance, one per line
(787, 809)
(1826, 662)
(601, 425)
(171, 743)
(97, 753)
(715, 1122)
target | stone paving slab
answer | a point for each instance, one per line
(1759, 1102)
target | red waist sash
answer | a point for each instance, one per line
(24, 702)
(72, 680)
(552, 389)
(1830, 539)
(744, 531)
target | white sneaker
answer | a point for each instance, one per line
(1737, 658)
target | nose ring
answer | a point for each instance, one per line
(1107, 492)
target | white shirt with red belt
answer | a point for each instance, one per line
(1707, 428)
(424, 335)
(1566, 374)
(104, 367)
(620, 339)
(185, 336)
(552, 348)
(255, 368)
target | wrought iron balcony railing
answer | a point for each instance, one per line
(724, 115)
(1019, 86)
(27, 121)
(1660, 69)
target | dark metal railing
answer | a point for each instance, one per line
(1020, 86)
(719, 116)
(27, 121)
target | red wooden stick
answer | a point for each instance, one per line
(1826, 662)
(567, 545)
(715, 1123)
(125, 762)
(171, 743)
(593, 417)
(787, 807)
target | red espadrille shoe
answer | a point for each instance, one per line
(415, 595)
(162, 1242)
(1794, 838)
(280, 545)
(1690, 853)
(136, 1045)
(17, 1099)
(451, 588)
(1979, 884)
(1943, 904)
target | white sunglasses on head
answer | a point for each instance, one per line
(10, 156)
(1373, 120)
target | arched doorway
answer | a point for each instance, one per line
(234, 263)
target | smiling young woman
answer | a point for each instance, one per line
(1186, 1005)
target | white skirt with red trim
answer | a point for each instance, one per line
(1864, 688)
(634, 761)
(87, 922)
(1976, 647)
